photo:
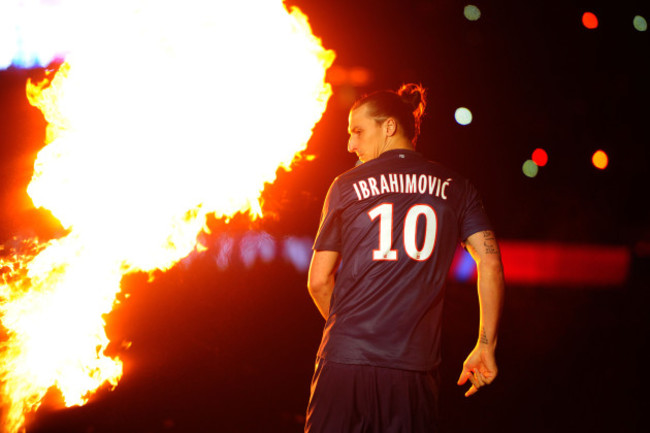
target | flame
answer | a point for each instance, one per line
(141, 145)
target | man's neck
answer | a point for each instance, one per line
(399, 143)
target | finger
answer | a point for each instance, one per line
(475, 382)
(479, 378)
(464, 375)
(489, 376)
(488, 379)
(471, 391)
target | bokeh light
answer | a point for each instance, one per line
(463, 116)
(529, 168)
(600, 159)
(540, 157)
(640, 23)
(472, 12)
(589, 20)
(359, 76)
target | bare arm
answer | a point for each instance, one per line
(480, 366)
(321, 279)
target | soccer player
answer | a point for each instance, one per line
(387, 236)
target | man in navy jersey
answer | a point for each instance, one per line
(388, 233)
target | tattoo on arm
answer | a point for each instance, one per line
(484, 339)
(489, 242)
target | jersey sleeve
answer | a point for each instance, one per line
(329, 231)
(473, 217)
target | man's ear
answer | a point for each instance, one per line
(390, 127)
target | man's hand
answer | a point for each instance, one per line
(480, 368)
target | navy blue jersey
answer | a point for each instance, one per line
(396, 221)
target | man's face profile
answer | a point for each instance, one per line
(366, 135)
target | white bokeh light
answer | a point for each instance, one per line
(463, 116)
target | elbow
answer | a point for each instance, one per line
(491, 266)
(492, 263)
(318, 285)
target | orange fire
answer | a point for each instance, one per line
(161, 115)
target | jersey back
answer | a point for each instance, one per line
(396, 221)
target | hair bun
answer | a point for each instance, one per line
(406, 106)
(413, 95)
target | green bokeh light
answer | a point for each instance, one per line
(529, 168)
(640, 23)
(472, 12)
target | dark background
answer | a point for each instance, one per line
(233, 350)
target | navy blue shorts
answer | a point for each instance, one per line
(347, 398)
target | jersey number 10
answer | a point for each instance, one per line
(385, 213)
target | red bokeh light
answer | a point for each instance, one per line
(540, 157)
(589, 20)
